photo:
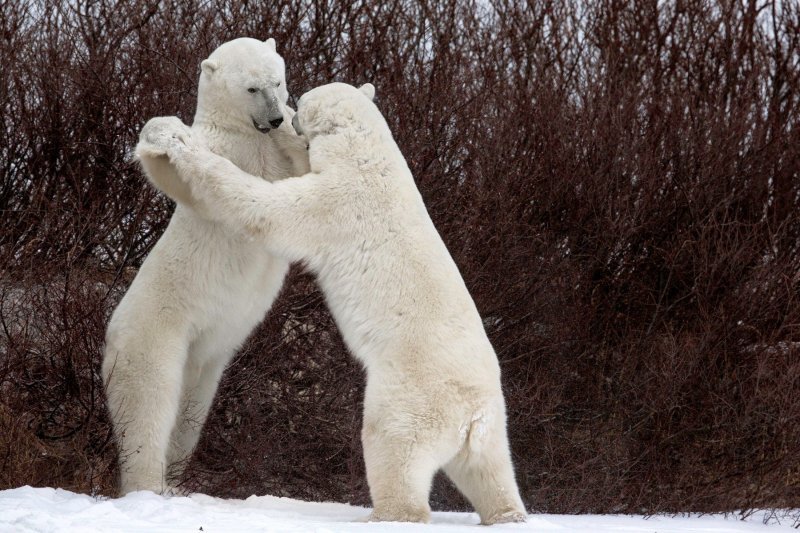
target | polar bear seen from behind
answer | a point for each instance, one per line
(203, 288)
(433, 397)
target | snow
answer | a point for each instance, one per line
(28, 509)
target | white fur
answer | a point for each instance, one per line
(204, 286)
(433, 397)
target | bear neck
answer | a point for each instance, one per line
(353, 150)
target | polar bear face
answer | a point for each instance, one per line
(336, 106)
(243, 82)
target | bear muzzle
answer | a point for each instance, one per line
(263, 128)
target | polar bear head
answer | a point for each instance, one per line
(330, 108)
(243, 84)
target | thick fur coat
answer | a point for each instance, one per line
(203, 288)
(433, 397)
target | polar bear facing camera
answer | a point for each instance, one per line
(433, 397)
(203, 287)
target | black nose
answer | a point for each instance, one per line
(277, 122)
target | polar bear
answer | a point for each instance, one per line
(433, 397)
(203, 288)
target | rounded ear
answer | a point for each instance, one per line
(369, 90)
(209, 66)
(271, 45)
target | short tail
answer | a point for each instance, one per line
(476, 431)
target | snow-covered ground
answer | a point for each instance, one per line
(28, 509)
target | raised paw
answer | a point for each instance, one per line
(294, 145)
(286, 129)
(163, 136)
(288, 114)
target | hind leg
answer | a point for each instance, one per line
(199, 387)
(400, 468)
(485, 475)
(143, 380)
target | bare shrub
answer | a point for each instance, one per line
(618, 182)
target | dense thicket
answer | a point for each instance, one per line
(618, 181)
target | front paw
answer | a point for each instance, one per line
(163, 136)
(286, 128)
(288, 138)
(288, 113)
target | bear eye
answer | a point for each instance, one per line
(252, 90)
(278, 84)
